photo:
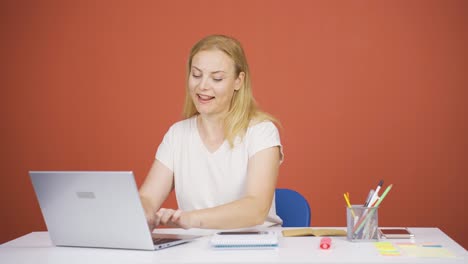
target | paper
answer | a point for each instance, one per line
(426, 251)
(313, 232)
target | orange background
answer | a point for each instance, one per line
(365, 90)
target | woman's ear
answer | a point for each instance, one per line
(239, 81)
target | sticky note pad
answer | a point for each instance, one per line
(387, 249)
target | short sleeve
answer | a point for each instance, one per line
(262, 136)
(165, 152)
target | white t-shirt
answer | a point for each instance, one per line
(203, 179)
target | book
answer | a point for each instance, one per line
(396, 233)
(244, 239)
(313, 232)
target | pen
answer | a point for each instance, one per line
(375, 196)
(383, 195)
(369, 196)
(346, 197)
(378, 187)
(363, 219)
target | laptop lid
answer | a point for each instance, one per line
(96, 209)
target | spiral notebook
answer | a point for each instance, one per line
(244, 239)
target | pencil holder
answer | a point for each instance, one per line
(362, 223)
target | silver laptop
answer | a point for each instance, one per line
(96, 209)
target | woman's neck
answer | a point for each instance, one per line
(211, 125)
(211, 131)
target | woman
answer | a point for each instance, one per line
(223, 159)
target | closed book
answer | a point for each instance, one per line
(397, 233)
(245, 239)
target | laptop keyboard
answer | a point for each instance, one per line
(157, 241)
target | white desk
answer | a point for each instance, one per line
(36, 247)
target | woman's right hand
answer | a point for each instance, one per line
(149, 214)
(154, 191)
(151, 220)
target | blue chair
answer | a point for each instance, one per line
(292, 207)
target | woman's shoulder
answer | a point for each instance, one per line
(184, 125)
(261, 128)
(261, 124)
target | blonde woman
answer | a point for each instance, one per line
(223, 159)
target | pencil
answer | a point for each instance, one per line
(364, 218)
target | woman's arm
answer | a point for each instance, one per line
(154, 191)
(248, 211)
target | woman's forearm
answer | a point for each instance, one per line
(246, 212)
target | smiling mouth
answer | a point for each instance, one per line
(204, 98)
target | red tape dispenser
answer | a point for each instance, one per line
(325, 243)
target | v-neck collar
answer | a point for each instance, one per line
(200, 140)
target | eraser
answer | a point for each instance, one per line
(325, 243)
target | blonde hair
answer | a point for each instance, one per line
(243, 108)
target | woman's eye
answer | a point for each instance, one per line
(196, 76)
(217, 79)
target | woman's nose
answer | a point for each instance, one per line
(203, 85)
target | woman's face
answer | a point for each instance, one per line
(212, 82)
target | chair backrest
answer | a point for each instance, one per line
(292, 207)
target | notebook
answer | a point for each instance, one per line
(313, 232)
(96, 209)
(244, 240)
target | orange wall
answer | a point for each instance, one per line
(365, 90)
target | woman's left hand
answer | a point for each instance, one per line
(173, 218)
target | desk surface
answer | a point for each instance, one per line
(36, 247)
